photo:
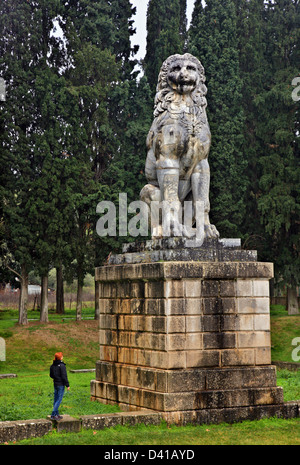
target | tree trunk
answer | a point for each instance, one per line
(97, 295)
(23, 297)
(79, 300)
(44, 300)
(60, 303)
(292, 301)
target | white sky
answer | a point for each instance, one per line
(140, 23)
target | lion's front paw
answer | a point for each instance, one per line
(211, 231)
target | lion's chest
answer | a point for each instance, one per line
(181, 134)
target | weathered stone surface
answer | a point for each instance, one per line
(190, 400)
(197, 379)
(182, 270)
(23, 429)
(185, 336)
(183, 249)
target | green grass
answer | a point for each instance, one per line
(30, 352)
(284, 329)
(30, 396)
(12, 315)
(273, 431)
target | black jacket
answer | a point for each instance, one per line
(59, 373)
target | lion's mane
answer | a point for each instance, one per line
(164, 92)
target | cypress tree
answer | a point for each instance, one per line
(213, 39)
(166, 28)
(27, 50)
(278, 132)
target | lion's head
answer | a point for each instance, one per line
(180, 74)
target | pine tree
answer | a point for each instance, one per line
(278, 132)
(25, 45)
(166, 27)
(213, 39)
(100, 51)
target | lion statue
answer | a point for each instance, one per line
(178, 142)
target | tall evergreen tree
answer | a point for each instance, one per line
(99, 49)
(252, 41)
(166, 28)
(278, 132)
(213, 39)
(28, 49)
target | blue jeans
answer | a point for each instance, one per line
(58, 397)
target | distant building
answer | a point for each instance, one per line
(34, 289)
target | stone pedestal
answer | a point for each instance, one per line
(185, 335)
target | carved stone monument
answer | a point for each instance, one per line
(178, 142)
(184, 322)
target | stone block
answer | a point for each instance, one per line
(210, 288)
(175, 324)
(261, 288)
(98, 422)
(108, 353)
(137, 306)
(194, 341)
(211, 323)
(218, 305)
(245, 322)
(186, 380)
(193, 324)
(155, 307)
(262, 396)
(219, 340)
(253, 305)
(237, 377)
(227, 288)
(108, 306)
(107, 321)
(202, 358)
(263, 356)
(192, 288)
(238, 397)
(253, 339)
(155, 289)
(229, 322)
(244, 287)
(261, 322)
(174, 288)
(192, 306)
(233, 357)
(108, 372)
(68, 424)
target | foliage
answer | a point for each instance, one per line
(213, 39)
(166, 23)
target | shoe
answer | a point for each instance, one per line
(56, 417)
(60, 417)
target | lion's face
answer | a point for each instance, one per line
(183, 75)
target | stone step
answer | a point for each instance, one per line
(194, 400)
(185, 380)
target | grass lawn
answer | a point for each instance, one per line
(284, 329)
(29, 353)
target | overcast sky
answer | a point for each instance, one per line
(140, 23)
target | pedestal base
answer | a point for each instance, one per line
(173, 390)
(186, 335)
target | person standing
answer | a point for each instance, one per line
(58, 373)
